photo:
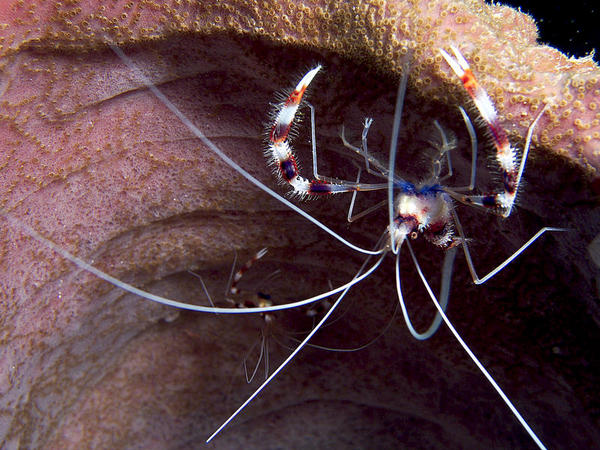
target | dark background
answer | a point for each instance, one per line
(566, 24)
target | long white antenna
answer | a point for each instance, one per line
(165, 301)
(295, 352)
(230, 162)
(472, 355)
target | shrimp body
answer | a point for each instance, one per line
(425, 210)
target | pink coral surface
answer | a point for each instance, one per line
(97, 164)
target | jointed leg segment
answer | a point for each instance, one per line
(506, 155)
(281, 156)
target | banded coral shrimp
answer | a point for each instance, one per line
(270, 325)
(375, 367)
(425, 209)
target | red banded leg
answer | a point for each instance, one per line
(506, 155)
(281, 156)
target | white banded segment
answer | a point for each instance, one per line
(286, 111)
(506, 154)
(281, 156)
(233, 289)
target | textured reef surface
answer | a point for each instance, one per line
(94, 162)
